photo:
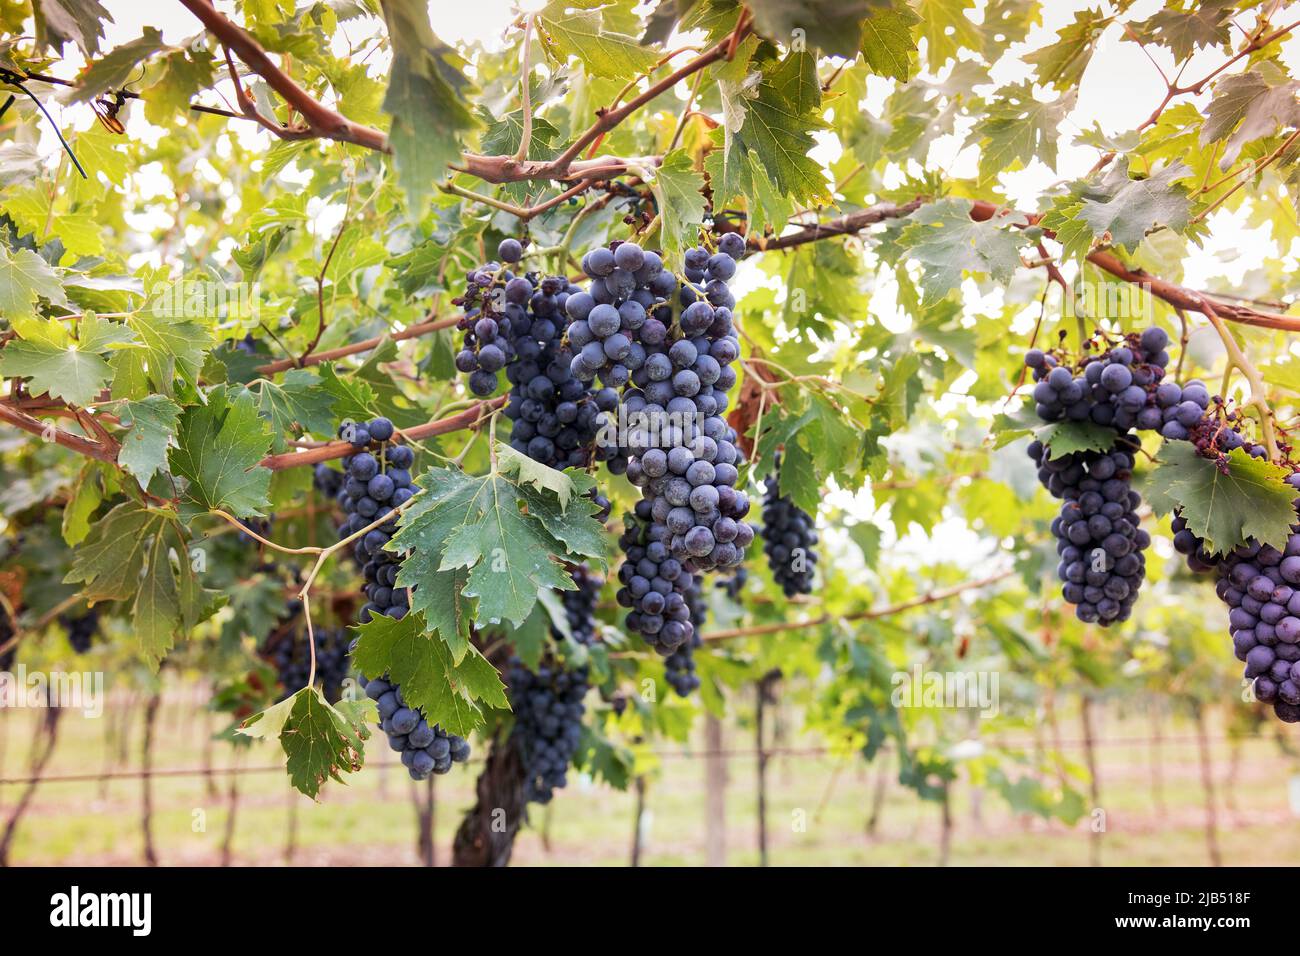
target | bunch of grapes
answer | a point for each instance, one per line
(1120, 388)
(682, 452)
(286, 649)
(81, 629)
(734, 584)
(425, 748)
(1261, 587)
(654, 583)
(679, 666)
(377, 481)
(1098, 536)
(6, 635)
(789, 534)
(548, 703)
(494, 298)
(621, 314)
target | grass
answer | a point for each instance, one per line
(817, 808)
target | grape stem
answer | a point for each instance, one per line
(1237, 359)
(525, 94)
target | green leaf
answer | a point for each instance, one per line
(887, 43)
(113, 70)
(321, 742)
(1251, 501)
(946, 29)
(136, 553)
(1248, 106)
(219, 447)
(1062, 63)
(1017, 128)
(832, 26)
(81, 21)
(184, 73)
(427, 99)
(448, 693)
(297, 400)
(948, 242)
(1063, 438)
(24, 277)
(1183, 31)
(577, 32)
(1137, 206)
(679, 189)
(172, 347)
(472, 524)
(87, 495)
(75, 376)
(530, 472)
(153, 426)
(110, 560)
(775, 121)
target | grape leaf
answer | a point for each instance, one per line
(297, 400)
(153, 425)
(110, 560)
(947, 242)
(1062, 438)
(87, 495)
(1136, 206)
(25, 276)
(775, 121)
(1016, 127)
(1247, 106)
(137, 553)
(184, 73)
(81, 21)
(1251, 501)
(70, 374)
(172, 346)
(475, 523)
(946, 29)
(1182, 31)
(832, 26)
(887, 44)
(114, 69)
(218, 449)
(320, 741)
(1062, 63)
(569, 32)
(426, 99)
(678, 186)
(448, 692)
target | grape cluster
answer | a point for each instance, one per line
(679, 666)
(286, 649)
(1120, 387)
(425, 748)
(548, 703)
(81, 629)
(6, 635)
(1261, 587)
(734, 584)
(654, 583)
(789, 534)
(1099, 540)
(493, 297)
(377, 481)
(682, 453)
(621, 315)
